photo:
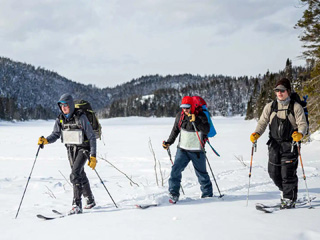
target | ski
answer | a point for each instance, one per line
(60, 215)
(144, 206)
(50, 218)
(267, 209)
(298, 202)
(272, 208)
(57, 212)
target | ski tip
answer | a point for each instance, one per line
(265, 210)
(57, 212)
(144, 206)
(43, 217)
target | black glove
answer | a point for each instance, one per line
(165, 145)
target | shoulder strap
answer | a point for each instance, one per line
(61, 120)
(181, 119)
(78, 112)
(77, 115)
(291, 107)
(274, 106)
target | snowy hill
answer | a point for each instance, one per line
(126, 145)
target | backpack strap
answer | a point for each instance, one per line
(291, 107)
(181, 119)
(274, 107)
(61, 122)
(77, 114)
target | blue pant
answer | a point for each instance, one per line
(181, 161)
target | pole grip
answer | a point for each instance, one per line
(41, 146)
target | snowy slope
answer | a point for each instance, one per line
(126, 146)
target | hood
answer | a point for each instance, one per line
(67, 98)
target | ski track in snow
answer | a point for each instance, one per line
(126, 146)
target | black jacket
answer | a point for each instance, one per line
(201, 123)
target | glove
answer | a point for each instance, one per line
(42, 141)
(165, 145)
(296, 136)
(254, 137)
(92, 162)
(192, 117)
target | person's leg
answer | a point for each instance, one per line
(289, 167)
(88, 196)
(274, 164)
(76, 177)
(180, 163)
(86, 189)
(199, 164)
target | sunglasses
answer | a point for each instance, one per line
(279, 90)
(64, 105)
(186, 108)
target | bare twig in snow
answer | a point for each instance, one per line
(50, 193)
(155, 161)
(240, 158)
(131, 181)
(65, 178)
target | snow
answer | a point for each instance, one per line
(126, 145)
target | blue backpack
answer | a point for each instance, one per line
(212, 131)
(199, 104)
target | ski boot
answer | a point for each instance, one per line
(287, 203)
(206, 195)
(90, 203)
(75, 210)
(173, 198)
(76, 203)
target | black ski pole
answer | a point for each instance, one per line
(254, 149)
(169, 153)
(25, 189)
(106, 188)
(304, 175)
(102, 182)
(204, 152)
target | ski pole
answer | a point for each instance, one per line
(292, 145)
(25, 189)
(169, 153)
(304, 175)
(213, 148)
(204, 152)
(254, 149)
(106, 188)
(101, 181)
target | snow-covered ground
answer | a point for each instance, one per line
(126, 145)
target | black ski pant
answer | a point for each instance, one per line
(81, 186)
(282, 167)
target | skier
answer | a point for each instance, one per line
(287, 124)
(76, 133)
(189, 148)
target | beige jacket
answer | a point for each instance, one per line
(298, 121)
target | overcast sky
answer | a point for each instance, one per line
(109, 42)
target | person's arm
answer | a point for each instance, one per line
(264, 119)
(175, 130)
(88, 131)
(56, 133)
(202, 123)
(301, 120)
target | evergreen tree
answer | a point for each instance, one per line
(310, 26)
